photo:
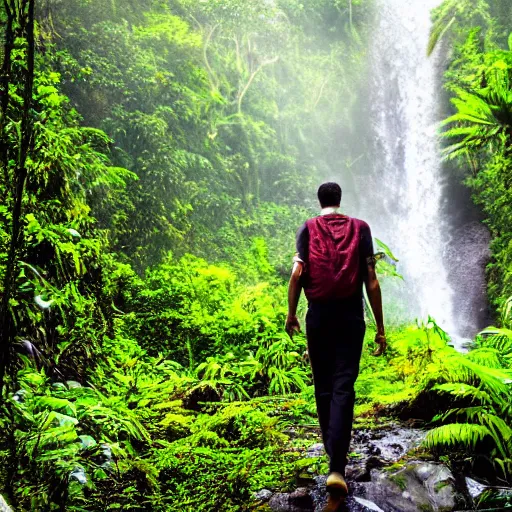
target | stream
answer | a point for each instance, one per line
(386, 473)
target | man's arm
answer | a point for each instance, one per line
(375, 297)
(294, 289)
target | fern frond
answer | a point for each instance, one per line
(461, 389)
(486, 356)
(500, 432)
(497, 338)
(437, 33)
(456, 434)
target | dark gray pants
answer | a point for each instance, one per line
(335, 340)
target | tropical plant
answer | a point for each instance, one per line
(480, 382)
(484, 117)
(480, 135)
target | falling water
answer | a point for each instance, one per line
(406, 194)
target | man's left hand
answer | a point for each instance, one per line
(380, 340)
(292, 325)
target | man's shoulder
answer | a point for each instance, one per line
(363, 225)
(303, 227)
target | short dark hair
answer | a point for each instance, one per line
(329, 194)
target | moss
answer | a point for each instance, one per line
(441, 485)
(394, 467)
(399, 480)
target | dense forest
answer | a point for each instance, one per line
(157, 158)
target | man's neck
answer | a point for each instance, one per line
(329, 210)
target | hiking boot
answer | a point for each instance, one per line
(334, 503)
(336, 484)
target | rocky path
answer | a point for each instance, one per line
(385, 476)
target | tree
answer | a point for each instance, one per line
(22, 15)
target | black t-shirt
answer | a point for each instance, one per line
(355, 302)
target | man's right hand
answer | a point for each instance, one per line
(292, 325)
(380, 340)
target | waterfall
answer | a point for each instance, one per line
(405, 194)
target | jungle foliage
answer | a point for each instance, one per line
(170, 135)
(479, 139)
(479, 133)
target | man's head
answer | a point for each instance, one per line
(329, 194)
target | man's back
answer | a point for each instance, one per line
(334, 259)
(334, 249)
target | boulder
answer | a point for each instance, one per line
(417, 487)
(475, 489)
(263, 495)
(298, 501)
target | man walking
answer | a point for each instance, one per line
(334, 258)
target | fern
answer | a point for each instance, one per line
(456, 435)
(483, 120)
(460, 389)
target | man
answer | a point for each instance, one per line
(335, 257)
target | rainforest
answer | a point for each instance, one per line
(157, 158)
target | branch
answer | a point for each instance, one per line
(320, 93)
(238, 56)
(197, 22)
(213, 77)
(251, 78)
(214, 82)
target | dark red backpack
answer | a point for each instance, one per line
(333, 267)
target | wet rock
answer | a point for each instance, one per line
(496, 498)
(105, 456)
(263, 495)
(418, 487)
(316, 450)
(20, 395)
(298, 501)
(467, 255)
(388, 445)
(357, 473)
(87, 441)
(4, 507)
(79, 475)
(368, 505)
(318, 493)
(413, 487)
(475, 489)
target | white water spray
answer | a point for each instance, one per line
(405, 208)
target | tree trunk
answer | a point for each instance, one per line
(4, 86)
(26, 28)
